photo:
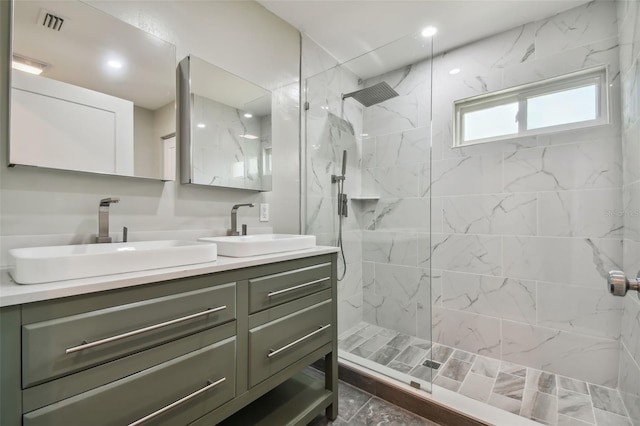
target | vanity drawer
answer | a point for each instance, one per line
(61, 346)
(177, 391)
(277, 344)
(272, 290)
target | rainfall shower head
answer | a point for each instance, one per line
(372, 95)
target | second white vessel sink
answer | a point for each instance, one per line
(255, 245)
(55, 263)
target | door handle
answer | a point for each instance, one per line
(618, 283)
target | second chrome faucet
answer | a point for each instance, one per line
(234, 220)
(103, 219)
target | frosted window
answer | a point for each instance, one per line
(491, 122)
(568, 106)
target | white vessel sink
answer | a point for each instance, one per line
(55, 263)
(255, 245)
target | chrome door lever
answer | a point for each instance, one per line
(618, 283)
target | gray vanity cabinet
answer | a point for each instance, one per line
(111, 331)
(276, 344)
(194, 350)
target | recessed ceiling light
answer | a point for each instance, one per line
(201, 125)
(454, 71)
(248, 136)
(28, 65)
(114, 64)
(429, 31)
(364, 134)
(248, 115)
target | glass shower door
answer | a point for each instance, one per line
(383, 123)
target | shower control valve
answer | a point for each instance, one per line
(618, 283)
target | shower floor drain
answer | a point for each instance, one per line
(431, 364)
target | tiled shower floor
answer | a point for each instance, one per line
(541, 396)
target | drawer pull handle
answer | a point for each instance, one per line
(141, 330)
(275, 293)
(178, 402)
(274, 352)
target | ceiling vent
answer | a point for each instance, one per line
(49, 20)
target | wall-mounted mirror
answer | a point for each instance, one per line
(224, 128)
(90, 93)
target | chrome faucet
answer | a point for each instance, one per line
(103, 220)
(234, 219)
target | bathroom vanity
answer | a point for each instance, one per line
(225, 342)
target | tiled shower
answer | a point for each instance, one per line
(499, 249)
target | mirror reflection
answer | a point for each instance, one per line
(225, 128)
(90, 93)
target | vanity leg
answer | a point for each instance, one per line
(331, 382)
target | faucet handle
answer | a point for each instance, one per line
(111, 200)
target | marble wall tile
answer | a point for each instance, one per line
(351, 283)
(631, 94)
(437, 212)
(320, 216)
(401, 181)
(602, 52)
(593, 165)
(478, 254)
(560, 352)
(594, 312)
(631, 255)
(494, 296)
(580, 261)
(628, 387)
(401, 213)
(390, 313)
(631, 152)
(403, 148)
(464, 176)
(584, 213)
(409, 110)
(350, 312)
(631, 211)
(399, 248)
(368, 277)
(578, 26)
(628, 18)
(510, 214)
(607, 132)
(631, 326)
(471, 332)
(402, 283)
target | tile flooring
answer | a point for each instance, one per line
(541, 396)
(358, 408)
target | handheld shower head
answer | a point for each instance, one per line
(344, 163)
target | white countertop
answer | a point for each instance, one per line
(15, 294)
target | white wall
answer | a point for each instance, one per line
(40, 206)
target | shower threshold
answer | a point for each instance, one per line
(494, 391)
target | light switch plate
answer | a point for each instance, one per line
(264, 212)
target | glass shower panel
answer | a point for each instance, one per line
(384, 315)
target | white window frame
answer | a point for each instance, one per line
(520, 94)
